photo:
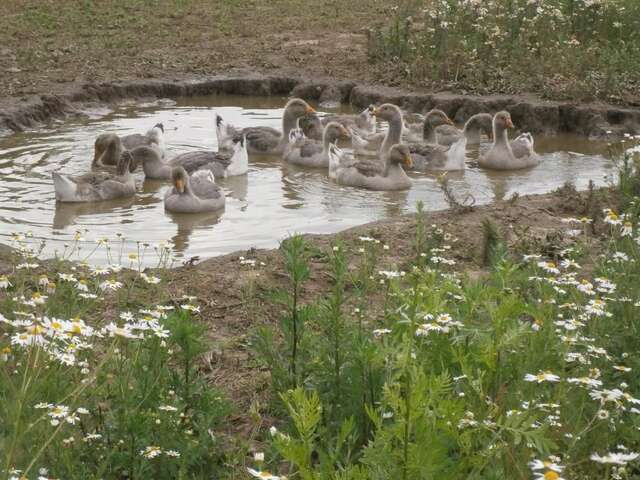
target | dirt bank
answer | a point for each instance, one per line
(529, 113)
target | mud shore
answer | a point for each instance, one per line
(529, 113)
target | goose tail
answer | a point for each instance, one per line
(456, 155)
(335, 155)
(222, 134)
(65, 188)
(240, 158)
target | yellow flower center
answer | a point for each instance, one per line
(56, 325)
(551, 475)
(35, 330)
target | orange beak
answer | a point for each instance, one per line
(375, 112)
(449, 121)
(509, 123)
(408, 161)
(180, 185)
(345, 134)
(310, 109)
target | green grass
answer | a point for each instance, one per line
(570, 48)
(469, 379)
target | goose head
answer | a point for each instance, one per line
(502, 121)
(400, 155)
(126, 164)
(437, 117)
(335, 131)
(297, 108)
(388, 112)
(180, 180)
(107, 149)
(293, 110)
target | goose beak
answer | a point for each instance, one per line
(180, 185)
(310, 109)
(408, 161)
(375, 111)
(345, 134)
(449, 121)
(509, 123)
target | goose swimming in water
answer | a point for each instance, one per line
(97, 186)
(265, 140)
(193, 194)
(381, 143)
(312, 153)
(504, 155)
(103, 156)
(373, 175)
(226, 163)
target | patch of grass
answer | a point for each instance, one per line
(570, 48)
(519, 373)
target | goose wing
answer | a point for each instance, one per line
(309, 148)
(203, 185)
(369, 168)
(192, 161)
(262, 139)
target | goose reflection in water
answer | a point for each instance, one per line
(187, 223)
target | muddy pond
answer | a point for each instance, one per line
(271, 202)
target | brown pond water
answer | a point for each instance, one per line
(263, 207)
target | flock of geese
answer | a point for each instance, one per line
(378, 160)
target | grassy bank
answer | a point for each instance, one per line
(559, 48)
(569, 49)
(395, 356)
